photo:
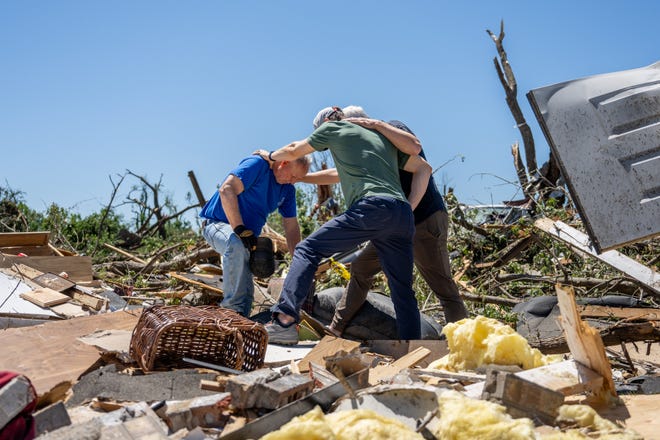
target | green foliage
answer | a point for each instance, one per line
(495, 311)
(15, 216)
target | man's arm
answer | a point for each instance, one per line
(421, 172)
(229, 191)
(291, 232)
(322, 177)
(404, 141)
(291, 152)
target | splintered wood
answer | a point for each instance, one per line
(584, 341)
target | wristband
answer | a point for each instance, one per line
(270, 156)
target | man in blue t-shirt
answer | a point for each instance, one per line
(235, 215)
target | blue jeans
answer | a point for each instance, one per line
(389, 224)
(236, 275)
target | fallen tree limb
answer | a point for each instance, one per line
(477, 298)
(510, 252)
(614, 335)
(618, 284)
(180, 263)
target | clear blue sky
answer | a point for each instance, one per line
(91, 88)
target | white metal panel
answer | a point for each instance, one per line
(10, 301)
(605, 132)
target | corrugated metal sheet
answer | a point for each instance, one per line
(605, 132)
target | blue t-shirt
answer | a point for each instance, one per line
(261, 196)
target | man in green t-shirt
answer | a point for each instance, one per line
(367, 161)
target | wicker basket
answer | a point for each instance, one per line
(164, 335)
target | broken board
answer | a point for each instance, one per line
(188, 279)
(45, 297)
(617, 260)
(79, 268)
(398, 348)
(10, 239)
(53, 281)
(382, 372)
(328, 346)
(584, 341)
(50, 354)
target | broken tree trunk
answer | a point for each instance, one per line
(180, 263)
(508, 80)
(520, 168)
(616, 334)
(615, 284)
(548, 175)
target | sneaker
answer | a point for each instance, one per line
(279, 334)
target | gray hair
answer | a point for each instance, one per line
(354, 111)
(304, 161)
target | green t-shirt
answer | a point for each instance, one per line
(367, 163)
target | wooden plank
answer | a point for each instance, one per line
(45, 297)
(213, 385)
(328, 346)
(26, 271)
(24, 239)
(592, 311)
(51, 353)
(89, 299)
(69, 310)
(584, 341)
(53, 281)
(30, 251)
(79, 268)
(124, 253)
(55, 250)
(617, 260)
(195, 283)
(399, 348)
(384, 371)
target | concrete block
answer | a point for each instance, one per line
(522, 397)
(51, 418)
(286, 389)
(244, 387)
(207, 411)
(268, 389)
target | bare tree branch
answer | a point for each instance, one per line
(508, 80)
(106, 211)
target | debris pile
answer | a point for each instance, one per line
(481, 376)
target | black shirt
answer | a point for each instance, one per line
(432, 200)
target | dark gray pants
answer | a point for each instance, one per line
(432, 261)
(389, 225)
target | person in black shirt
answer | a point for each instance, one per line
(430, 250)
